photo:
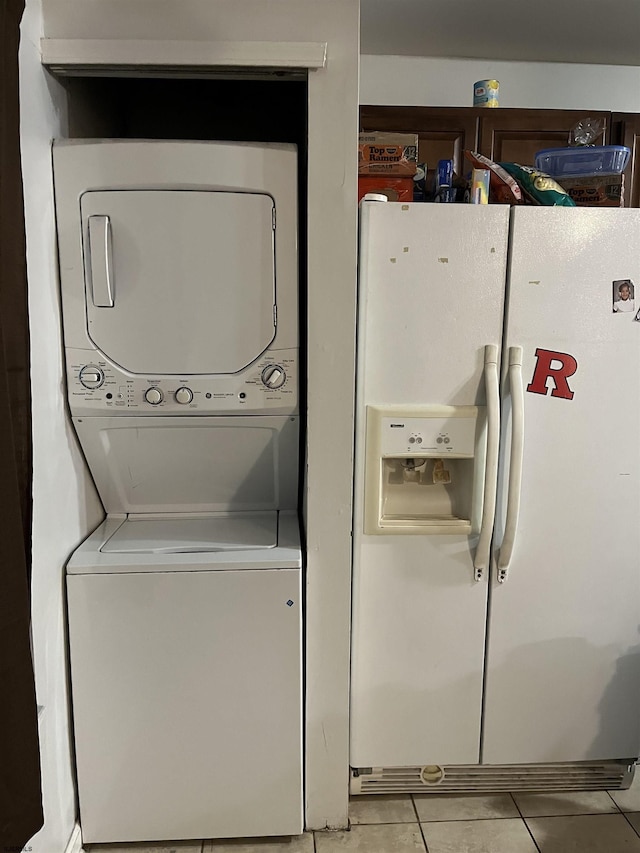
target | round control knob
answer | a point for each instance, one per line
(183, 395)
(153, 396)
(274, 376)
(91, 376)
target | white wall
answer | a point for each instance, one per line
(65, 505)
(435, 82)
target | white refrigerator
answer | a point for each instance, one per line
(496, 601)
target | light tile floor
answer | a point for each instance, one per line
(581, 822)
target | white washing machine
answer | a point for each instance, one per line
(179, 276)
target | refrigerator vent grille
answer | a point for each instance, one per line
(511, 777)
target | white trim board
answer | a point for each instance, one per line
(65, 55)
(75, 841)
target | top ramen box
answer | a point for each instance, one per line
(387, 153)
(596, 190)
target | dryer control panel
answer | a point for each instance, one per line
(98, 387)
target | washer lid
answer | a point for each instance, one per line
(179, 282)
(185, 535)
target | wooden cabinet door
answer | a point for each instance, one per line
(627, 128)
(515, 136)
(443, 132)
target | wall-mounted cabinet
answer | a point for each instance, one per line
(513, 135)
(627, 129)
(443, 132)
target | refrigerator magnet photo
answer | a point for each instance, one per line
(623, 296)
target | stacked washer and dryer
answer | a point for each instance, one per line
(179, 278)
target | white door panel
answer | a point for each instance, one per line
(418, 647)
(187, 699)
(431, 298)
(563, 666)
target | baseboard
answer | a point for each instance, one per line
(75, 842)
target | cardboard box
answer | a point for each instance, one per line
(387, 153)
(595, 191)
(395, 189)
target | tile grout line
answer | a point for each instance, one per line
(422, 835)
(415, 808)
(522, 818)
(614, 802)
(468, 819)
(624, 815)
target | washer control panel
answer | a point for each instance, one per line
(97, 387)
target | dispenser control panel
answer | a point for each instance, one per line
(424, 469)
(429, 436)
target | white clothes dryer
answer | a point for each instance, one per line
(179, 271)
(179, 277)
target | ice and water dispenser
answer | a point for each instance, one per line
(424, 469)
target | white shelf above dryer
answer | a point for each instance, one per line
(146, 56)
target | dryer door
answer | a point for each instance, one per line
(179, 282)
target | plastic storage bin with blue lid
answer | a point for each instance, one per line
(583, 162)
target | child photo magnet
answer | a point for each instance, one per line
(623, 296)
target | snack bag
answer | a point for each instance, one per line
(504, 189)
(541, 188)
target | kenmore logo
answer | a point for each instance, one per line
(396, 426)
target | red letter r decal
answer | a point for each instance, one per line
(544, 371)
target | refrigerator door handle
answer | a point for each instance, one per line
(515, 464)
(481, 558)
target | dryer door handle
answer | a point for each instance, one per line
(101, 262)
